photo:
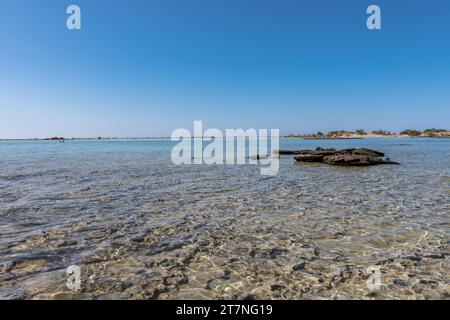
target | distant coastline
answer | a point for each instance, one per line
(332, 135)
(362, 134)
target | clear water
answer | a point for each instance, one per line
(140, 227)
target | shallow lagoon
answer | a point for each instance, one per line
(140, 227)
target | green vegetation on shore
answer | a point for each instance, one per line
(433, 132)
(361, 133)
(411, 133)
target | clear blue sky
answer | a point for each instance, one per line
(144, 68)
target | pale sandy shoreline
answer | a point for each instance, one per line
(292, 136)
(362, 137)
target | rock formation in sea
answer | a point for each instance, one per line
(345, 157)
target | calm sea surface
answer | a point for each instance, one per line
(140, 227)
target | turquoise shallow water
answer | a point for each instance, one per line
(119, 208)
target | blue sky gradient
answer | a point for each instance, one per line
(145, 68)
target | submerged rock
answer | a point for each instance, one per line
(298, 267)
(355, 160)
(314, 156)
(345, 157)
(287, 152)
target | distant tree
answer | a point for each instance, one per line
(361, 132)
(434, 130)
(411, 133)
(319, 134)
(333, 133)
(380, 132)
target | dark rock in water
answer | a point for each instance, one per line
(183, 279)
(314, 156)
(259, 157)
(310, 158)
(400, 282)
(275, 252)
(413, 258)
(288, 152)
(298, 267)
(276, 286)
(435, 256)
(226, 275)
(249, 296)
(318, 151)
(138, 239)
(367, 152)
(346, 157)
(355, 160)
